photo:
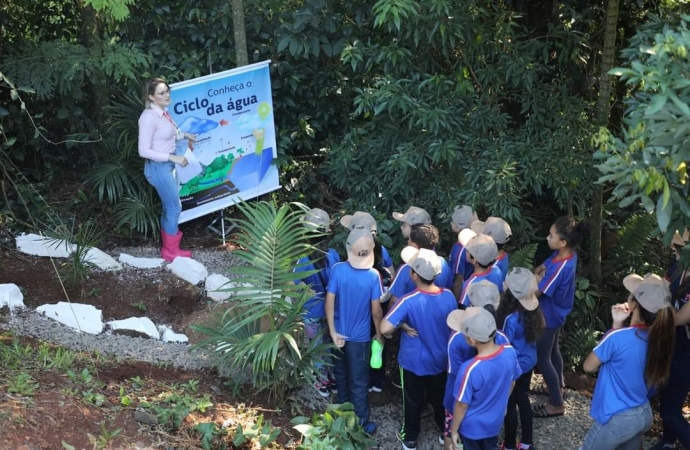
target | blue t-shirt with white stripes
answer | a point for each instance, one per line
(558, 289)
(484, 384)
(620, 385)
(426, 312)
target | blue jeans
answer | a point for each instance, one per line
(550, 362)
(624, 431)
(351, 370)
(479, 444)
(161, 176)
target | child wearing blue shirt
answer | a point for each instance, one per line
(522, 322)
(630, 360)
(321, 260)
(482, 294)
(421, 236)
(556, 278)
(484, 383)
(500, 232)
(422, 355)
(463, 217)
(384, 265)
(481, 252)
(352, 302)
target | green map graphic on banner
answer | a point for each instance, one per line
(233, 158)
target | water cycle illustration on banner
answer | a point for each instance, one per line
(232, 159)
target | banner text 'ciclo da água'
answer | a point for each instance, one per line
(232, 159)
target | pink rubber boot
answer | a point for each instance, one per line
(171, 246)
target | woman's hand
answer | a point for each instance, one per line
(177, 159)
(190, 137)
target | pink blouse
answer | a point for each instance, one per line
(157, 134)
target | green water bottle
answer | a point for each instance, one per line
(376, 360)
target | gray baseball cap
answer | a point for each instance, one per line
(413, 216)
(497, 228)
(523, 285)
(482, 293)
(316, 219)
(474, 322)
(463, 216)
(424, 262)
(652, 291)
(359, 219)
(481, 247)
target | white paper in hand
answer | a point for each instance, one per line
(184, 174)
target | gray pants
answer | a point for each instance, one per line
(624, 431)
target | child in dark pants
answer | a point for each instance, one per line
(352, 301)
(484, 382)
(422, 355)
(522, 322)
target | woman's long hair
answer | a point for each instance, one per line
(660, 342)
(532, 321)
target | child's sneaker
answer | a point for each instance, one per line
(369, 428)
(406, 445)
(322, 389)
(375, 388)
(331, 384)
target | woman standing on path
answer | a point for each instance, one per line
(630, 361)
(157, 136)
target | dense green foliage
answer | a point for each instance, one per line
(378, 104)
(648, 162)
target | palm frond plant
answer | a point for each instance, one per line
(524, 256)
(117, 176)
(262, 333)
(138, 212)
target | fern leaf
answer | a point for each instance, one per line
(524, 257)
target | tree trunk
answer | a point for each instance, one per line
(90, 37)
(239, 32)
(602, 117)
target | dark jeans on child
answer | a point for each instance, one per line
(351, 371)
(377, 377)
(674, 394)
(480, 444)
(414, 389)
(519, 400)
(550, 362)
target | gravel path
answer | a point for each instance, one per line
(550, 434)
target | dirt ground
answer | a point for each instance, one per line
(60, 412)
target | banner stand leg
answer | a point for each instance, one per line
(223, 232)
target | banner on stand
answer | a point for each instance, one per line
(233, 157)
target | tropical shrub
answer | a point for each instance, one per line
(262, 333)
(647, 162)
(338, 427)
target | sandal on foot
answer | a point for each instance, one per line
(540, 389)
(541, 412)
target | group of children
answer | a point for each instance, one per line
(472, 330)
